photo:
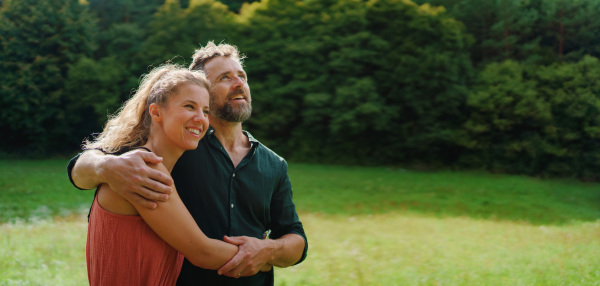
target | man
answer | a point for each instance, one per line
(234, 187)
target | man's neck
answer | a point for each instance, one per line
(235, 142)
(229, 133)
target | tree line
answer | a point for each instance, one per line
(504, 85)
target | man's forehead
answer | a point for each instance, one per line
(221, 64)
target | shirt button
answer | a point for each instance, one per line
(231, 205)
(234, 175)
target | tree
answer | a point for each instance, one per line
(236, 5)
(571, 28)
(303, 60)
(571, 145)
(112, 12)
(94, 90)
(503, 29)
(336, 76)
(39, 40)
(424, 71)
(174, 33)
(507, 116)
(537, 120)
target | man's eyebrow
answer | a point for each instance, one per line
(223, 73)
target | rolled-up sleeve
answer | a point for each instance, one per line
(284, 218)
(70, 169)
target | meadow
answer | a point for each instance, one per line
(365, 225)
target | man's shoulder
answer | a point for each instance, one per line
(265, 152)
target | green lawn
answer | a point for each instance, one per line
(479, 195)
(38, 188)
(366, 226)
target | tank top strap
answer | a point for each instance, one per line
(142, 147)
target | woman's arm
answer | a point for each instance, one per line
(173, 223)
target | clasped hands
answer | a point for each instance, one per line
(253, 256)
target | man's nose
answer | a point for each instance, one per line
(238, 81)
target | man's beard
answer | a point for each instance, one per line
(228, 112)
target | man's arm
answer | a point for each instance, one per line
(287, 250)
(289, 246)
(126, 174)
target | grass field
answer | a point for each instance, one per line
(366, 226)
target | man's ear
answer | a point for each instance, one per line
(154, 111)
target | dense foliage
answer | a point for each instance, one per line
(39, 40)
(505, 85)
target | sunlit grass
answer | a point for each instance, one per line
(384, 249)
(43, 252)
(366, 226)
(394, 249)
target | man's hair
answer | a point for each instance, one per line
(204, 54)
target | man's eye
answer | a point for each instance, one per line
(189, 106)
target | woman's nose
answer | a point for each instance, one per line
(201, 116)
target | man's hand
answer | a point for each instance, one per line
(131, 177)
(253, 256)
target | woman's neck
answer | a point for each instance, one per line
(170, 154)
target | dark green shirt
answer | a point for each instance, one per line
(248, 200)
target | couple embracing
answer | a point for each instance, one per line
(184, 195)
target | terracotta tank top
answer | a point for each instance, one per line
(123, 250)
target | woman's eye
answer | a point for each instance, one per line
(189, 106)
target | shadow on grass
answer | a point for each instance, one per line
(366, 190)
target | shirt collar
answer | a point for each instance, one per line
(211, 132)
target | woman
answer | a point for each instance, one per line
(128, 244)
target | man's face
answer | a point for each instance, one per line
(230, 93)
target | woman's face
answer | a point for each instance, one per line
(185, 118)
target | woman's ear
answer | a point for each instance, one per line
(154, 111)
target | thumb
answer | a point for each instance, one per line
(236, 240)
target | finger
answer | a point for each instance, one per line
(235, 273)
(266, 268)
(231, 264)
(150, 157)
(159, 181)
(233, 240)
(149, 194)
(143, 202)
